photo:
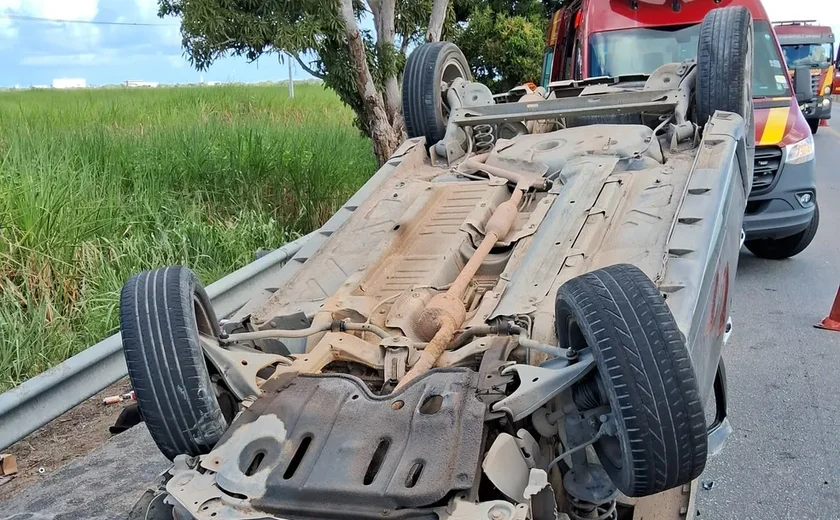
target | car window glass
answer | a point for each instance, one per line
(808, 55)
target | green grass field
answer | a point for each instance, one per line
(96, 185)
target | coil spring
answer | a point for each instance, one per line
(586, 395)
(581, 510)
(484, 138)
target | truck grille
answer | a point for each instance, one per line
(768, 161)
(815, 84)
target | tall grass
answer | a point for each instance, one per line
(96, 185)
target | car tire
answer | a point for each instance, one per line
(644, 373)
(782, 248)
(814, 124)
(724, 67)
(162, 313)
(429, 67)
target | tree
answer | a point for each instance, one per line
(503, 40)
(363, 68)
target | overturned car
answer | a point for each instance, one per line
(520, 315)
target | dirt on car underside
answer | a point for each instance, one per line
(612, 199)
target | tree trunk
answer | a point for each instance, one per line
(385, 137)
(394, 104)
(436, 20)
(384, 12)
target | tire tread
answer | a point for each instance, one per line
(165, 363)
(643, 361)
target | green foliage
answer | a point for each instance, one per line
(97, 185)
(502, 40)
(464, 8)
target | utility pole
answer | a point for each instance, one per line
(291, 83)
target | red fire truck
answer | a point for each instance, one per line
(806, 44)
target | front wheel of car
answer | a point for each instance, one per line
(644, 375)
(781, 248)
(163, 313)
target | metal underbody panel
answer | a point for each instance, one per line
(306, 447)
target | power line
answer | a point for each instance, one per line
(25, 18)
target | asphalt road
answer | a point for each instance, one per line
(782, 462)
(783, 459)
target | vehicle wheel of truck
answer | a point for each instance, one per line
(429, 69)
(162, 314)
(644, 374)
(725, 67)
(815, 125)
(781, 248)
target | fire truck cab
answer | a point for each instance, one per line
(592, 38)
(806, 44)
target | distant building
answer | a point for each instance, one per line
(69, 83)
(213, 83)
(137, 83)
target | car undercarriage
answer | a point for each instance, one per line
(520, 316)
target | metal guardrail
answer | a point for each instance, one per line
(39, 400)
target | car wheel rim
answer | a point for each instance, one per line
(450, 71)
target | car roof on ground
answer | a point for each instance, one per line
(612, 15)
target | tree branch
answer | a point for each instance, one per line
(308, 69)
(387, 13)
(436, 20)
(374, 7)
(376, 10)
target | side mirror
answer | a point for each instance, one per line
(802, 84)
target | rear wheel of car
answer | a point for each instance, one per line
(781, 248)
(430, 68)
(162, 314)
(725, 67)
(644, 374)
(815, 125)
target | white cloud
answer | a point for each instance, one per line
(147, 11)
(71, 37)
(147, 8)
(76, 35)
(104, 58)
(58, 60)
(7, 30)
(63, 9)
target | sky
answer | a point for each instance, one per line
(35, 53)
